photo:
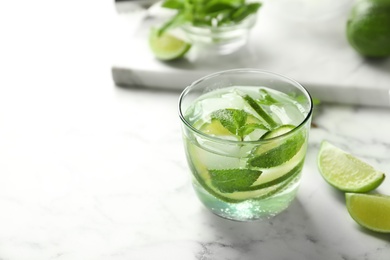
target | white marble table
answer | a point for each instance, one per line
(89, 170)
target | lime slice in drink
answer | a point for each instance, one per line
(370, 211)
(221, 183)
(236, 185)
(278, 131)
(346, 172)
(166, 46)
(283, 171)
(277, 152)
(215, 128)
(205, 180)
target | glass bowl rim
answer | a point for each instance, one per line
(248, 22)
(245, 70)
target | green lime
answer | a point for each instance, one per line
(368, 27)
(166, 46)
(205, 179)
(278, 131)
(277, 152)
(215, 128)
(235, 185)
(370, 211)
(346, 172)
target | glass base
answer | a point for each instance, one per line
(215, 49)
(220, 40)
(252, 209)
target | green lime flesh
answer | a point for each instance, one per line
(346, 172)
(370, 211)
(167, 47)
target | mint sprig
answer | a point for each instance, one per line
(231, 180)
(235, 121)
(231, 119)
(207, 13)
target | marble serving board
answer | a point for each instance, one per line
(310, 47)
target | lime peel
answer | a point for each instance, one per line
(346, 172)
(367, 28)
(167, 46)
(371, 211)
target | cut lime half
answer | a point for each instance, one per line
(370, 211)
(166, 46)
(346, 172)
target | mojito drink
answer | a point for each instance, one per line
(246, 146)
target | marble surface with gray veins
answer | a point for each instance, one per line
(93, 171)
(116, 186)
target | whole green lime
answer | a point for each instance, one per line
(368, 27)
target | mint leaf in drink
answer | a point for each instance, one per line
(260, 111)
(231, 180)
(231, 119)
(249, 128)
(266, 98)
(279, 154)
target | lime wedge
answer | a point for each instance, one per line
(346, 172)
(370, 211)
(166, 46)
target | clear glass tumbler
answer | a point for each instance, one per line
(245, 134)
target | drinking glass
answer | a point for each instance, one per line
(245, 134)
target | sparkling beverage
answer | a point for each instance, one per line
(245, 146)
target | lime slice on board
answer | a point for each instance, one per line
(167, 46)
(370, 211)
(346, 172)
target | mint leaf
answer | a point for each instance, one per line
(208, 12)
(231, 119)
(249, 128)
(178, 20)
(217, 6)
(266, 98)
(244, 11)
(279, 154)
(260, 111)
(292, 173)
(173, 4)
(231, 180)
